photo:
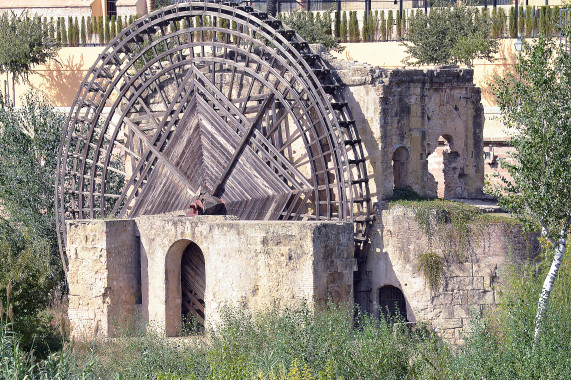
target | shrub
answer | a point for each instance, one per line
(315, 31)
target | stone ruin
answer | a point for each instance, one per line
(417, 130)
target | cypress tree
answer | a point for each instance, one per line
(120, 24)
(107, 33)
(112, 28)
(343, 27)
(52, 29)
(521, 21)
(399, 30)
(383, 27)
(70, 33)
(59, 31)
(311, 18)
(76, 31)
(337, 26)
(512, 25)
(83, 32)
(365, 30)
(318, 21)
(390, 23)
(376, 26)
(503, 21)
(328, 29)
(555, 19)
(528, 22)
(45, 28)
(356, 27)
(64, 33)
(100, 30)
(403, 25)
(371, 28)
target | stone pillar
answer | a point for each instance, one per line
(104, 277)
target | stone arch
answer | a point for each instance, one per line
(174, 272)
(401, 158)
(392, 303)
(442, 165)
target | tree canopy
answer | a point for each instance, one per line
(23, 44)
(450, 34)
(535, 107)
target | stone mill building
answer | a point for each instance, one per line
(212, 157)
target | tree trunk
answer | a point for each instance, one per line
(550, 279)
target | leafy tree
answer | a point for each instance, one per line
(312, 30)
(535, 108)
(22, 46)
(449, 35)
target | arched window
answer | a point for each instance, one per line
(392, 303)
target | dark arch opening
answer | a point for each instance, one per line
(193, 286)
(392, 304)
(400, 168)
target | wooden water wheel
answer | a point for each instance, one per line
(216, 99)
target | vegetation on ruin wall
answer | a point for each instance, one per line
(452, 228)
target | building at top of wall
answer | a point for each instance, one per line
(76, 8)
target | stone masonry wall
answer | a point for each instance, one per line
(103, 275)
(397, 241)
(115, 276)
(413, 109)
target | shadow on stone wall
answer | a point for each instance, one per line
(61, 80)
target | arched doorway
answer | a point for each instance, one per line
(438, 164)
(400, 168)
(392, 303)
(193, 284)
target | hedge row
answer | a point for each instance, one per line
(87, 31)
(391, 25)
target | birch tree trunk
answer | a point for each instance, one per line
(550, 279)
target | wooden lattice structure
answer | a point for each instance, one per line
(211, 99)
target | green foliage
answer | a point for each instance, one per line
(449, 35)
(313, 31)
(541, 127)
(383, 26)
(23, 45)
(324, 344)
(432, 267)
